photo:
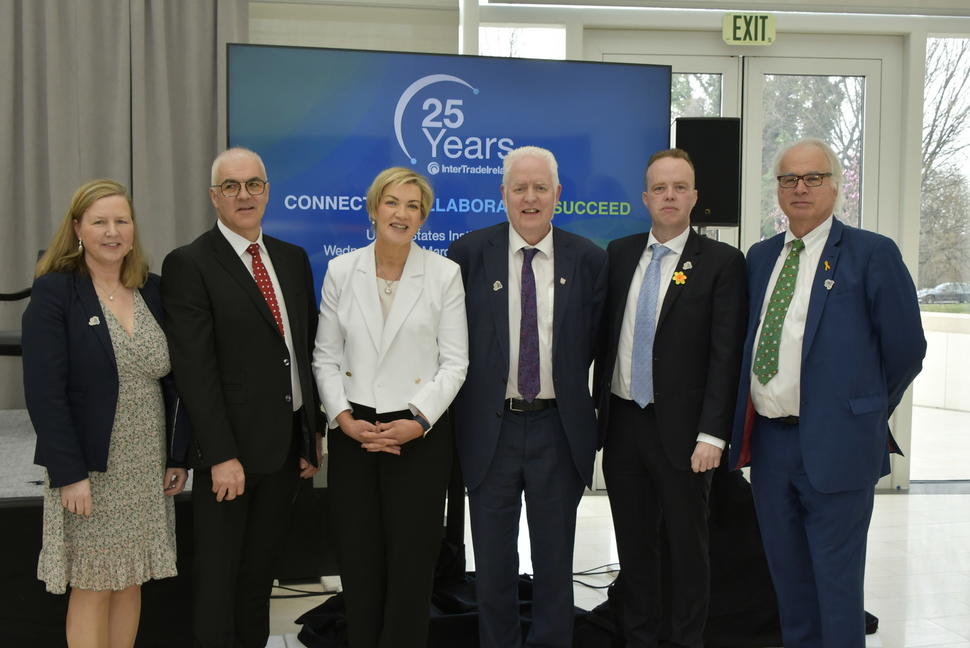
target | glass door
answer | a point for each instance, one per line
(793, 89)
(787, 99)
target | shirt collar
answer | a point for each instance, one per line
(820, 232)
(239, 243)
(516, 242)
(675, 245)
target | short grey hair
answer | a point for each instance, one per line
(530, 151)
(835, 166)
(232, 152)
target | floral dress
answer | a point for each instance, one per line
(130, 536)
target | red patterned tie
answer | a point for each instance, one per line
(265, 285)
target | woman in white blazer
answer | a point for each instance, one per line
(391, 353)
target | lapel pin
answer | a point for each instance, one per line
(94, 321)
(562, 281)
(828, 284)
(497, 286)
(687, 265)
(826, 265)
(679, 278)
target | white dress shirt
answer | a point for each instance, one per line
(543, 269)
(622, 370)
(782, 395)
(239, 245)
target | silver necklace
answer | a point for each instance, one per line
(388, 284)
(111, 295)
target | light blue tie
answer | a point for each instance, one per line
(641, 378)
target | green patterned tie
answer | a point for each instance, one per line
(766, 357)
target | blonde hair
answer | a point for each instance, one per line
(396, 176)
(64, 253)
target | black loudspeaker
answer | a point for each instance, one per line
(714, 145)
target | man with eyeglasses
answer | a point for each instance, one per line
(666, 381)
(834, 339)
(241, 318)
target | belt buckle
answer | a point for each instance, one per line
(512, 407)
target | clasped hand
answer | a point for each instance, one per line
(380, 437)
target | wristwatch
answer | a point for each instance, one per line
(423, 422)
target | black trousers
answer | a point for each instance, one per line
(236, 544)
(649, 497)
(388, 521)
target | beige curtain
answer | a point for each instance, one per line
(133, 90)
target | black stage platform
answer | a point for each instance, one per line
(30, 617)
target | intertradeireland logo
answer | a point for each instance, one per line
(443, 145)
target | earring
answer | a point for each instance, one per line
(373, 222)
(80, 245)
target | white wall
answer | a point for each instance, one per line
(945, 379)
(430, 26)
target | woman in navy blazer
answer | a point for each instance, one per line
(104, 409)
(391, 353)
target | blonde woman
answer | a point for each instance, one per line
(97, 388)
(391, 353)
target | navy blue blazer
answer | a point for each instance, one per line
(580, 291)
(71, 378)
(862, 347)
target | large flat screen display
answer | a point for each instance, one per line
(326, 121)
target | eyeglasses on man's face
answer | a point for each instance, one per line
(790, 180)
(231, 188)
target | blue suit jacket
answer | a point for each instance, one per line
(580, 291)
(71, 378)
(862, 347)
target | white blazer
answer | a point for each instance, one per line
(415, 360)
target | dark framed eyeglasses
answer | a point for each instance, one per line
(231, 188)
(790, 180)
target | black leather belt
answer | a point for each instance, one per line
(785, 420)
(522, 405)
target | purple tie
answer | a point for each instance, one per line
(528, 331)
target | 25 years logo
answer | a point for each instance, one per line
(444, 116)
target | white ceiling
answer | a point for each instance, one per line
(893, 7)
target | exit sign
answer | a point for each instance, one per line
(748, 29)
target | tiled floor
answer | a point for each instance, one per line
(917, 579)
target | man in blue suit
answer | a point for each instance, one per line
(834, 338)
(524, 419)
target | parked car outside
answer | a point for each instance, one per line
(951, 291)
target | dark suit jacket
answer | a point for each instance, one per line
(71, 377)
(697, 348)
(863, 346)
(231, 364)
(580, 281)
